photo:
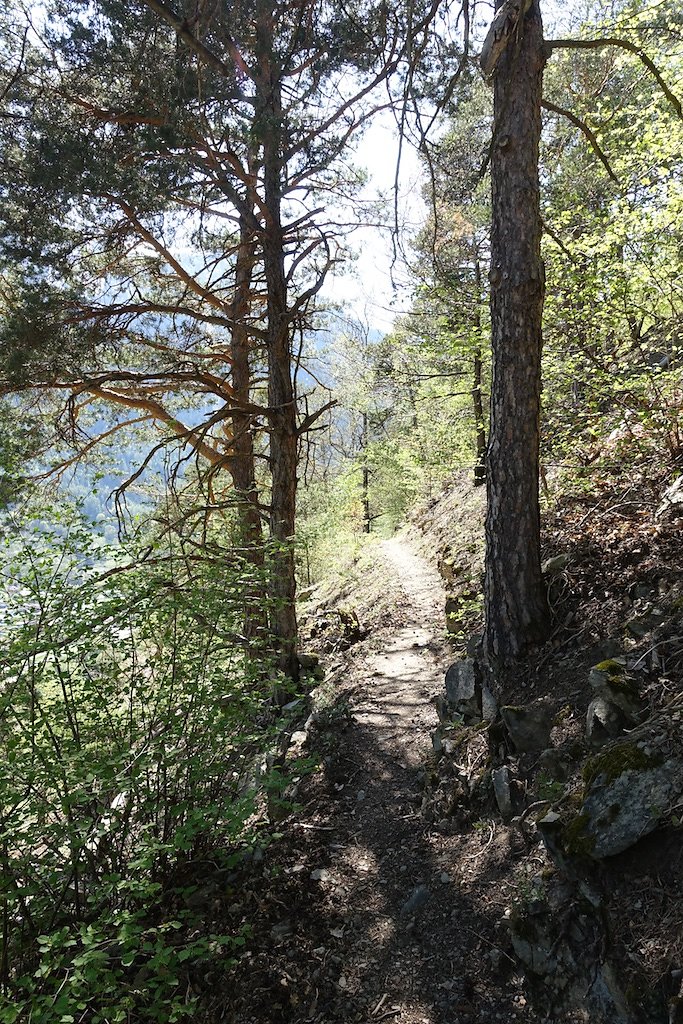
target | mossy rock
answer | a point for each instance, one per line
(610, 666)
(628, 793)
(616, 760)
(578, 843)
(612, 683)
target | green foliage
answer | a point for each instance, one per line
(613, 252)
(21, 436)
(330, 527)
(132, 730)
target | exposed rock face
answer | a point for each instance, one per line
(617, 812)
(671, 506)
(529, 727)
(467, 693)
(555, 935)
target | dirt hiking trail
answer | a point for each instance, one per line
(368, 911)
(409, 666)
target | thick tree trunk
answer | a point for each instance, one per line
(281, 403)
(517, 615)
(242, 463)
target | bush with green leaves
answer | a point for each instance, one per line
(133, 724)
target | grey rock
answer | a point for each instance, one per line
(528, 727)
(553, 764)
(501, 790)
(556, 937)
(671, 506)
(461, 682)
(604, 721)
(298, 740)
(489, 705)
(533, 944)
(321, 875)
(552, 830)
(416, 901)
(618, 812)
(555, 565)
(463, 689)
(308, 660)
(293, 705)
(613, 685)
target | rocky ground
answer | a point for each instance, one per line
(418, 878)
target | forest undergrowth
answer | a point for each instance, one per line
(614, 581)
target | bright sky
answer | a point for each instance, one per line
(377, 288)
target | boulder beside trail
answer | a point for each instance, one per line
(631, 793)
(529, 726)
(631, 786)
(467, 693)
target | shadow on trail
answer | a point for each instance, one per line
(379, 914)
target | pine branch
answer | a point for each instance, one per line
(624, 44)
(583, 127)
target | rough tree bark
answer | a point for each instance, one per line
(281, 403)
(241, 461)
(517, 614)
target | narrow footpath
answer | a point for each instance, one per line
(370, 911)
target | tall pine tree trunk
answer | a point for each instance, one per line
(283, 449)
(517, 613)
(242, 463)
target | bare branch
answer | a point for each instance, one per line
(14, 77)
(206, 55)
(309, 420)
(624, 44)
(583, 127)
(177, 267)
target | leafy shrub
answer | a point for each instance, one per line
(133, 721)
